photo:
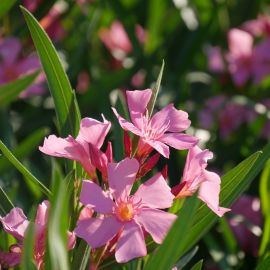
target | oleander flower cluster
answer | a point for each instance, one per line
(121, 207)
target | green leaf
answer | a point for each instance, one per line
(233, 183)
(10, 91)
(23, 170)
(198, 265)
(5, 203)
(27, 262)
(67, 112)
(58, 226)
(264, 264)
(155, 91)
(26, 147)
(81, 256)
(265, 204)
(169, 252)
(5, 6)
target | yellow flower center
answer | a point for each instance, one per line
(125, 211)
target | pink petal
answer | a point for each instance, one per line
(137, 104)
(126, 125)
(155, 193)
(93, 196)
(196, 162)
(121, 176)
(9, 49)
(209, 193)
(176, 120)
(11, 258)
(240, 42)
(42, 213)
(15, 223)
(66, 148)
(93, 131)
(29, 64)
(156, 222)
(179, 141)
(96, 231)
(131, 243)
(71, 240)
(162, 148)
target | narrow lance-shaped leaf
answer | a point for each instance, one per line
(233, 184)
(11, 90)
(65, 102)
(198, 265)
(155, 91)
(167, 254)
(25, 147)
(22, 169)
(5, 203)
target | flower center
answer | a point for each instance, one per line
(125, 211)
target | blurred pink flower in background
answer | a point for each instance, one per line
(123, 215)
(16, 224)
(196, 177)
(246, 222)
(215, 60)
(83, 82)
(239, 56)
(138, 78)
(258, 27)
(266, 129)
(32, 5)
(117, 40)
(13, 67)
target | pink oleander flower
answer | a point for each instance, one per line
(232, 116)
(124, 216)
(240, 55)
(196, 177)
(261, 61)
(83, 82)
(258, 27)
(16, 224)
(32, 5)
(245, 223)
(215, 60)
(117, 40)
(159, 131)
(85, 148)
(12, 67)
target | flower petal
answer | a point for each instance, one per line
(97, 231)
(121, 176)
(93, 131)
(93, 196)
(209, 193)
(137, 104)
(131, 243)
(156, 222)
(67, 148)
(179, 141)
(9, 49)
(126, 125)
(11, 258)
(15, 223)
(162, 148)
(176, 120)
(155, 193)
(42, 213)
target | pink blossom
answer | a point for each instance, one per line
(85, 148)
(258, 27)
(196, 176)
(12, 68)
(16, 224)
(215, 60)
(123, 215)
(83, 82)
(116, 38)
(247, 214)
(240, 55)
(159, 131)
(261, 61)
(32, 5)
